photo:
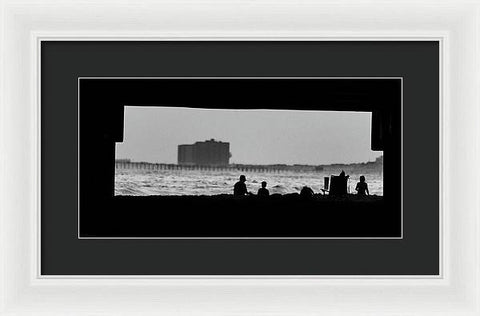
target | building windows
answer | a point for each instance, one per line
(207, 153)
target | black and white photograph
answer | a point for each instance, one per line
(201, 152)
(241, 157)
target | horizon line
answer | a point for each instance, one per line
(264, 164)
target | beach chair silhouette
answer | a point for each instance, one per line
(338, 185)
(326, 184)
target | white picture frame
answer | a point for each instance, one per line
(24, 24)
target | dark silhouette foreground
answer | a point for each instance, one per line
(338, 187)
(249, 216)
(240, 188)
(263, 191)
(362, 187)
(306, 192)
(300, 215)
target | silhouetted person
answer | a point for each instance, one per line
(342, 174)
(306, 192)
(338, 185)
(362, 187)
(240, 188)
(263, 191)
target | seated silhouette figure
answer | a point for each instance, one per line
(240, 188)
(362, 187)
(306, 192)
(263, 191)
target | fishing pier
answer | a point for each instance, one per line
(122, 165)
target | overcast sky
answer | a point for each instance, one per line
(256, 136)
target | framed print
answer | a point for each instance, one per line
(201, 158)
(202, 179)
(282, 125)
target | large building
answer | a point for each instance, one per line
(207, 153)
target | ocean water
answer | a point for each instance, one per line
(138, 182)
